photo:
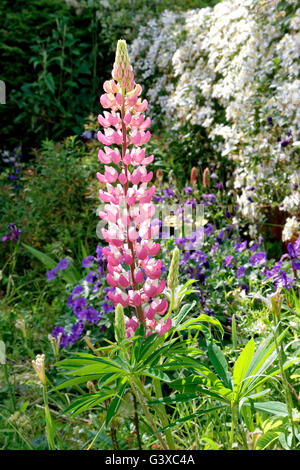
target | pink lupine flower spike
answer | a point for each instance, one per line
(132, 268)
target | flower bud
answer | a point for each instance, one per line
(120, 331)
(193, 177)
(174, 268)
(122, 70)
(39, 367)
(276, 301)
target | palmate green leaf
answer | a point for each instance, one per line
(147, 346)
(197, 384)
(156, 374)
(262, 359)
(276, 408)
(77, 381)
(99, 369)
(220, 365)
(242, 365)
(195, 323)
(116, 402)
(87, 402)
(262, 379)
(186, 285)
(155, 352)
(183, 313)
(84, 359)
(268, 438)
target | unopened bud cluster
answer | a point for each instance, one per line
(39, 367)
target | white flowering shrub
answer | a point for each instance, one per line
(242, 56)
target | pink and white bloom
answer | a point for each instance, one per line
(132, 269)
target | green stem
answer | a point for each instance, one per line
(136, 389)
(232, 428)
(49, 424)
(164, 417)
(288, 399)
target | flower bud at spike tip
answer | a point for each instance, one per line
(206, 178)
(193, 176)
(174, 268)
(122, 70)
(120, 331)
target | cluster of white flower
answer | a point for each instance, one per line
(243, 55)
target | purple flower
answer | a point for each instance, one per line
(227, 261)
(253, 247)
(157, 198)
(63, 264)
(219, 185)
(188, 190)
(51, 274)
(285, 143)
(258, 258)
(295, 265)
(208, 230)
(97, 286)
(56, 330)
(78, 305)
(87, 261)
(168, 193)
(214, 248)
(107, 307)
(76, 332)
(92, 315)
(77, 290)
(87, 135)
(240, 247)
(14, 233)
(209, 198)
(64, 340)
(91, 277)
(270, 120)
(240, 271)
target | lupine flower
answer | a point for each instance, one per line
(193, 176)
(206, 177)
(128, 200)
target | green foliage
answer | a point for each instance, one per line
(56, 204)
